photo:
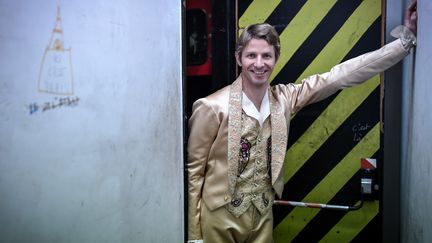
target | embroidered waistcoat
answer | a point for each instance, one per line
(253, 184)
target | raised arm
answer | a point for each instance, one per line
(357, 70)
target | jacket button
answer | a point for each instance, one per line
(226, 198)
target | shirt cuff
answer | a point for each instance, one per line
(407, 37)
(195, 241)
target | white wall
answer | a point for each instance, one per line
(103, 163)
(416, 213)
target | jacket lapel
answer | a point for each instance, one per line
(278, 143)
(234, 131)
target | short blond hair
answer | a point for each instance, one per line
(262, 31)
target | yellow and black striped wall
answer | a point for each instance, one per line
(327, 139)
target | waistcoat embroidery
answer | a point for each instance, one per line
(245, 147)
(237, 201)
(265, 200)
(269, 158)
(253, 186)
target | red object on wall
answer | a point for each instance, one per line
(198, 37)
(368, 163)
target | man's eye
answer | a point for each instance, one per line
(250, 55)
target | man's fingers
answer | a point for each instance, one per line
(413, 6)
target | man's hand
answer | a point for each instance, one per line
(410, 20)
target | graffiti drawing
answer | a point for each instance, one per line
(55, 76)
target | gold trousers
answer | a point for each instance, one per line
(220, 226)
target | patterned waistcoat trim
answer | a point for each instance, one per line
(234, 132)
(279, 139)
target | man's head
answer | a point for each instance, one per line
(259, 31)
(257, 50)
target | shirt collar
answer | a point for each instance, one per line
(250, 109)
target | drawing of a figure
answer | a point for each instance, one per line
(55, 75)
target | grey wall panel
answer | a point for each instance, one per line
(91, 132)
(411, 220)
(416, 192)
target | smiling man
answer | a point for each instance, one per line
(238, 135)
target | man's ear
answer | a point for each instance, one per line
(238, 59)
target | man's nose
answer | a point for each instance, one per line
(259, 62)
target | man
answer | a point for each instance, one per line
(238, 135)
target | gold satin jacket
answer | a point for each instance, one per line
(215, 128)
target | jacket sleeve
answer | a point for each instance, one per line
(203, 128)
(347, 74)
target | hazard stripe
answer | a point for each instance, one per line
(324, 221)
(316, 41)
(284, 13)
(328, 156)
(328, 187)
(325, 125)
(344, 103)
(361, 19)
(257, 12)
(351, 225)
(371, 232)
(309, 16)
(299, 124)
(242, 6)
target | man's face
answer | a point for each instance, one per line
(257, 61)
